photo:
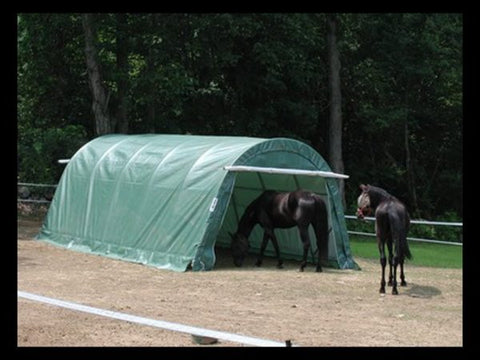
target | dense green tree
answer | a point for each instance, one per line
(255, 75)
(53, 101)
(404, 107)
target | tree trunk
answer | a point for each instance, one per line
(151, 94)
(410, 171)
(335, 123)
(153, 22)
(122, 69)
(99, 93)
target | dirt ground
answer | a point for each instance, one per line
(340, 308)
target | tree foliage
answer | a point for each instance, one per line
(260, 75)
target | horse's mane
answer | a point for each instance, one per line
(250, 217)
(377, 195)
(248, 214)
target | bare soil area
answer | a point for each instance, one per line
(338, 308)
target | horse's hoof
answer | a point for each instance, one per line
(258, 263)
(318, 269)
(394, 291)
(403, 283)
(382, 290)
(279, 266)
(390, 283)
(301, 269)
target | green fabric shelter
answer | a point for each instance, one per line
(168, 200)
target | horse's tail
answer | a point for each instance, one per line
(399, 224)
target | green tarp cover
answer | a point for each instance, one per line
(166, 200)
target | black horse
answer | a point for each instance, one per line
(274, 209)
(391, 227)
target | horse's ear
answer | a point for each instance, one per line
(363, 187)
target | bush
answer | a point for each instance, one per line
(39, 150)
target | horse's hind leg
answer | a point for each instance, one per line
(319, 265)
(394, 283)
(383, 263)
(402, 275)
(322, 245)
(390, 263)
(306, 245)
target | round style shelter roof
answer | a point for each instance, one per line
(167, 200)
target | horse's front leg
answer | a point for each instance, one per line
(262, 248)
(306, 246)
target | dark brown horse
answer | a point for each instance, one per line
(274, 209)
(391, 227)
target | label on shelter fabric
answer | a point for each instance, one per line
(214, 204)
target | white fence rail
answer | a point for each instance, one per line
(420, 222)
(35, 185)
(417, 222)
(193, 330)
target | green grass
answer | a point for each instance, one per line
(424, 254)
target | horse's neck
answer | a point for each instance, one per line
(377, 197)
(247, 222)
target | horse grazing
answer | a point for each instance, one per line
(274, 209)
(391, 227)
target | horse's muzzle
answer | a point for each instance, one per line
(361, 213)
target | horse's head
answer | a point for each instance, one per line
(364, 207)
(239, 248)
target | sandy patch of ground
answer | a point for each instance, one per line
(332, 308)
